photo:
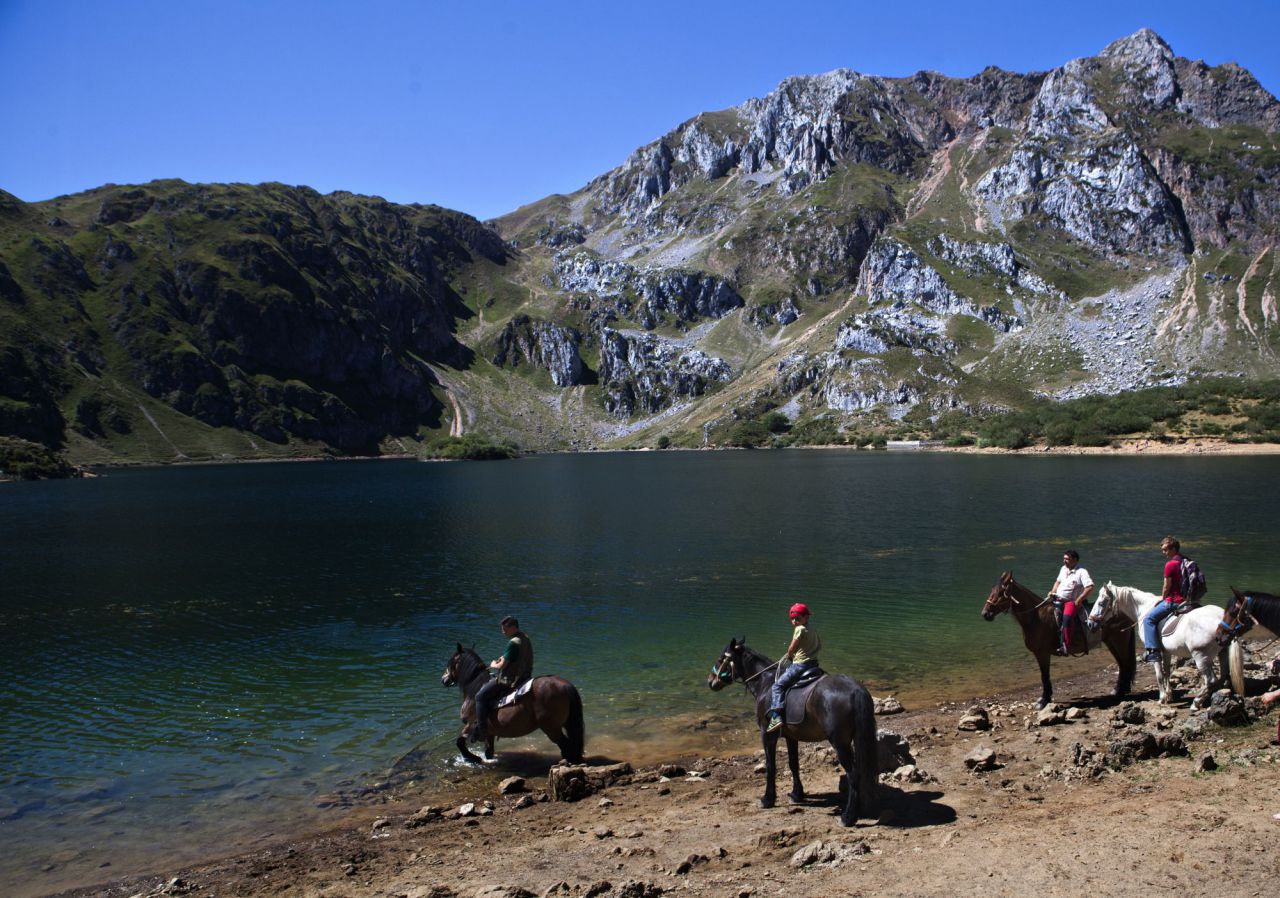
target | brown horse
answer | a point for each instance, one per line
(1040, 632)
(552, 705)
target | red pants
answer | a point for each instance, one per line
(1068, 623)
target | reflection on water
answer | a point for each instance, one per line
(192, 657)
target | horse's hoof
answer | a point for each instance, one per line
(766, 803)
(795, 797)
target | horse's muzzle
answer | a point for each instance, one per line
(445, 679)
(715, 683)
(988, 615)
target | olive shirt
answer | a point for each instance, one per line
(807, 645)
(517, 660)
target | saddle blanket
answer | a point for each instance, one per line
(798, 696)
(516, 694)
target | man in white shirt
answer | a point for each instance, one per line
(1070, 589)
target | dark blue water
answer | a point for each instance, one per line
(192, 656)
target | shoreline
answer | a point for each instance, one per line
(387, 849)
(1127, 448)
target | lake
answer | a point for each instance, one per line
(194, 657)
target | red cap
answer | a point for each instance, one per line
(798, 609)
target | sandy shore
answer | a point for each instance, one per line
(1051, 818)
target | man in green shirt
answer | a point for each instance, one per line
(514, 667)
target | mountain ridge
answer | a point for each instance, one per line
(853, 251)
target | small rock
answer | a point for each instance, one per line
(981, 758)
(424, 816)
(602, 832)
(975, 719)
(888, 705)
(671, 771)
(606, 802)
(524, 801)
(1207, 762)
(466, 810)
(813, 853)
(598, 888)
(380, 823)
(1077, 714)
(512, 785)
(1051, 715)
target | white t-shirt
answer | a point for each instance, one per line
(1072, 583)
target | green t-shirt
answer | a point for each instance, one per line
(807, 645)
(517, 664)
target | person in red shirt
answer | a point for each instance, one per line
(1171, 594)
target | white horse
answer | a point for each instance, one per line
(1193, 634)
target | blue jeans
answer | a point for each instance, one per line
(785, 679)
(1151, 623)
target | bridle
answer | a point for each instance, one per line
(728, 676)
(1241, 621)
(718, 669)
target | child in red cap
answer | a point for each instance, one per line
(803, 653)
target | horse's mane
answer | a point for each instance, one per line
(469, 663)
(1265, 608)
(762, 659)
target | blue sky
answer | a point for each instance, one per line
(487, 105)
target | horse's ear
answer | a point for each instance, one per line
(1236, 593)
(459, 648)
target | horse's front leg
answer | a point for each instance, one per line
(1163, 684)
(1204, 664)
(466, 751)
(793, 761)
(1046, 685)
(770, 740)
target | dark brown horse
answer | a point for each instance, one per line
(1248, 609)
(839, 710)
(552, 705)
(1040, 632)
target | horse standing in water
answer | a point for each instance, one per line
(839, 709)
(1189, 634)
(1040, 632)
(552, 705)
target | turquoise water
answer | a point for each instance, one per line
(192, 656)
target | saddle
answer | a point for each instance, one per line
(515, 694)
(1171, 622)
(797, 696)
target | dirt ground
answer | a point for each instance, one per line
(1050, 819)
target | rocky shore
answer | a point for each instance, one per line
(983, 797)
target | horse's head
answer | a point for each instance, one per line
(1236, 619)
(460, 663)
(1001, 598)
(1103, 607)
(728, 666)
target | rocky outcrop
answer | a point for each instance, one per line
(543, 345)
(648, 296)
(643, 374)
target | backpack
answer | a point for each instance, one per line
(1193, 586)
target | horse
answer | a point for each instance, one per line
(1247, 610)
(552, 705)
(1193, 637)
(839, 709)
(1040, 632)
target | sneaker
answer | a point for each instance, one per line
(1151, 657)
(775, 722)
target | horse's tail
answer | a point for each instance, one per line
(866, 753)
(575, 727)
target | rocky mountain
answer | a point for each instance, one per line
(852, 251)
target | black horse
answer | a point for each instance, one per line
(552, 704)
(839, 710)
(1246, 610)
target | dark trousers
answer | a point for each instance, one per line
(487, 701)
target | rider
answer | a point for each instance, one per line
(514, 667)
(1071, 589)
(1171, 595)
(803, 652)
